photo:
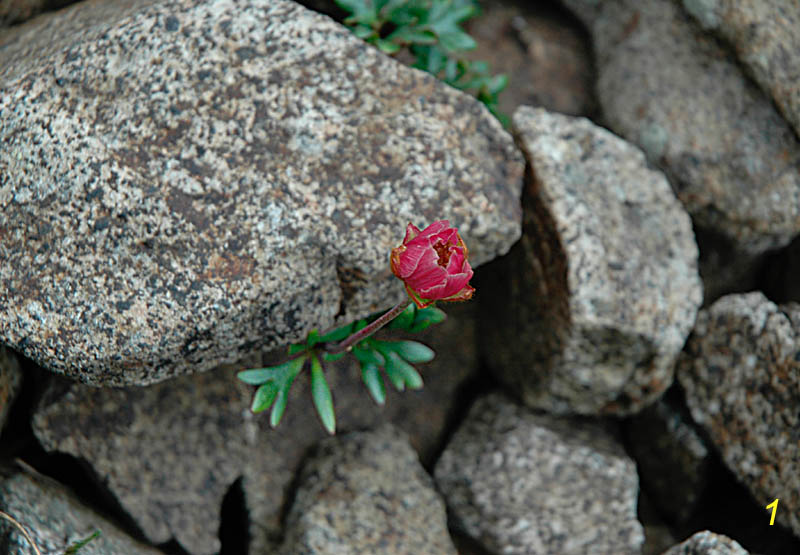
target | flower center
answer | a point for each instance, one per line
(443, 250)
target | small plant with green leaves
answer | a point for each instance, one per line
(433, 265)
(431, 32)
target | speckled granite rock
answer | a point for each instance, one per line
(366, 492)
(521, 482)
(169, 452)
(10, 382)
(741, 373)
(193, 180)
(707, 543)
(674, 90)
(764, 35)
(603, 288)
(56, 519)
(671, 457)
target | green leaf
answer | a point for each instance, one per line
(426, 318)
(401, 373)
(413, 351)
(405, 319)
(371, 376)
(257, 376)
(264, 397)
(284, 383)
(338, 334)
(294, 349)
(331, 357)
(411, 35)
(312, 338)
(75, 547)
(387, 46)
(497, 84)
(363, 11)
(456, 41)
(321, 394)
(366, 354)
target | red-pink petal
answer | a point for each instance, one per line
(449, 235)
(409, 260)
(456, 283)
(435, 228)
(427, 276)
(457, 260)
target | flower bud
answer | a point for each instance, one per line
(433, 264)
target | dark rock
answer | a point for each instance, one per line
(10, 382)
(181, 199)
(671, 457)
(522, 482)
(169, 452)
(366, 492)
(677, 92)
(764, 35)
(55, 519)
(590, 310)
(542, 51)
(741, 373)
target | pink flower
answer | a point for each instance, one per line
(433, 264)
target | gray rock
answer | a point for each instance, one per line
(10, 382)
(521, 482)
(55, 519)
(169, 452)
(15, 11)
(366, 492)
(764, 35)
(603, 288)
(707, 543)
(187, 183)
(741, 374)
(674, 90)
(548, 59)
(671, 457)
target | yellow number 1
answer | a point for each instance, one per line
(774, 507)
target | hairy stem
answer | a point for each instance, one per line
(369, 329)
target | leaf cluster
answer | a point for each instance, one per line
(430, 30)
(376, 357)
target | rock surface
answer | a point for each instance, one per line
(521, 482)
(55, 519)
(169, 452)
(671, 457)
(547, 59)
(366, 492)
(10, 382)
(603, 288)
(181, 188)
(671, 88)
(764, 35)
(707, 543)
(741, 373)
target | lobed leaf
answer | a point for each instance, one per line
(321, 394)
(264, 397)
(371, 376)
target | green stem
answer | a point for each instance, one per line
(369, 329)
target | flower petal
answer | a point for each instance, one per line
(408, 260)
(456, 283)
(435, 228)
(457, 260)
(463, 295)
